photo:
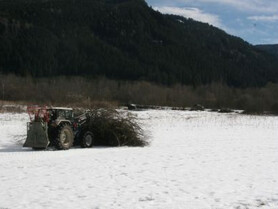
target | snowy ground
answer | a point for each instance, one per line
(195, 160)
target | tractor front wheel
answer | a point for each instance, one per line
(64, 138)
(87, 140)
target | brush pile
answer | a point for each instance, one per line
(113, 128)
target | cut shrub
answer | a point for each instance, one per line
(113, 128)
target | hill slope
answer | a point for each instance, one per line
(124, 39)
(271, 48)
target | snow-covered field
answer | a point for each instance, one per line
(196, 160)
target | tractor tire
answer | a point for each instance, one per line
(87, 140)
(65, 137)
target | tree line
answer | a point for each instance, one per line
(102, 92)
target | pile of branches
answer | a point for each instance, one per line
(112, 128)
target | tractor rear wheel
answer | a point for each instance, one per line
(64, 138)
(87, 140)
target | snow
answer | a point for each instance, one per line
(197, 160)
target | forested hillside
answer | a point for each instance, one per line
(270, 48)
(126, 40)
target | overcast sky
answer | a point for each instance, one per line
(256, 21)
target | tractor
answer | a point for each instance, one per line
(57, 126)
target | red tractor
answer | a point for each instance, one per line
(56, 126)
